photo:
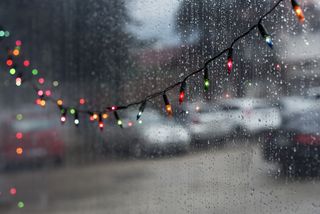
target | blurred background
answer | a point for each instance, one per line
(250, 143)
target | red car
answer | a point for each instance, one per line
(30, 141)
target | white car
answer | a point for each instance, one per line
(293, 105)
(153, 134)
(218, 120)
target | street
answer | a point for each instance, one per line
(233, 179)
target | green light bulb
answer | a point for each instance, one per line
(20, 204)
(12, 71)
(19, 117)
(6, 33)
(35, 72)
(72, 111)
(206, 84)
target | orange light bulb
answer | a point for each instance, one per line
(299, 13)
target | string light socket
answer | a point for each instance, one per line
(141, 109)
(265, 35)
(206, 79)
(182, 92)
(101, 124)
(63, 117)
(298, 10)
(167, 105)
(119, 121)
(230, 60)
(76, 118)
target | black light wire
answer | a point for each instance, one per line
(171, 87)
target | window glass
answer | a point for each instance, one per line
(169, 106)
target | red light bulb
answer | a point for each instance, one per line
(230, 61)
(101, 125)
(38, 101)
(26, 63)
(182, 92)
(9, 62)
(63, 119)
(18, 43)
(41, 80)
(230, 64)
(40, 93)
(48, 93)
(82, 101)
(19, 135)
(13, 191)
(181, 97)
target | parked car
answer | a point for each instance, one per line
(296, 145)
(314, 92)
(153, 134)
(293, 105)
(33, 140)
(227, 117)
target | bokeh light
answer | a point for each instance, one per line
(6, 33)
(55, 83)
(12, 71)
(26, 63)
(20, 204)
(40, 93)
(72, 111)
(18, 43)
(59, 102)
(35, 72)
(9, 62)
(19, 135)
(48, 93)
(82, 101)
(16, 52)
(19, 151)
(41, 80)
(42, 103)
(13, 191)
(18, 81)
(95, 116)
(19, 117)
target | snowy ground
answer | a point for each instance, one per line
(227, 180)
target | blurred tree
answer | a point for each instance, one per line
(83, 43)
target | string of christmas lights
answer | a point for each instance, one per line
(100, 116)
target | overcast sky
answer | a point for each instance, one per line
(156, 18)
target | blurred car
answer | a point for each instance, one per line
(296, 145)
(227, 117)
(293, 105)
(153, 134)
(314, 92)
(30, 141)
